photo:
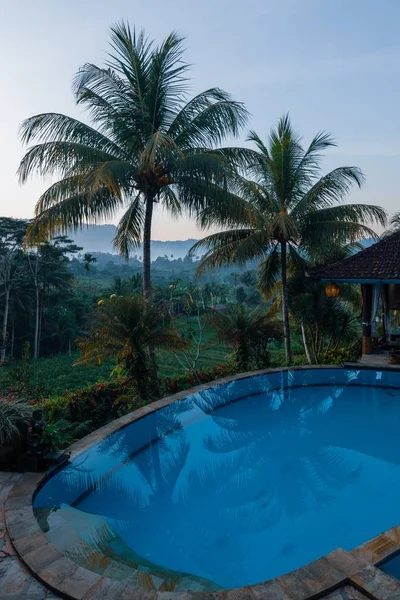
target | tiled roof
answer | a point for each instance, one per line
(379, 261)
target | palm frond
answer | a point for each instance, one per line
(130, 57)
(341, 224)
(166, 82)
(269, 271)
(208, 119)
(328, 190)
(130, 227)
(62, 157)
(108, 99)
(124, 327)
(158, 149)
(230, 247)
(171, 201)
(72, 212)
(309, 165)
(51, 127)
(337, 233)
(261, 147)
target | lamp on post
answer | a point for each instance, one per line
(332, 290)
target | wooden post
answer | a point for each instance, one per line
(385, 311)
(366, 291)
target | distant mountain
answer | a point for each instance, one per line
(368, 242)
(99, 238)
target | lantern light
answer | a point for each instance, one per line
(332, 290)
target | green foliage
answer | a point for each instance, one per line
(20, 379)
(60, 434)
(145, 145)
(125, 328)
(284, 210)
(93, 406)
(14, 418)
(240, 294)
(171, 385)
(248, 331)
(341, 354)
(327, 323)
(88, 259)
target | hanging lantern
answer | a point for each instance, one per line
(332, 290)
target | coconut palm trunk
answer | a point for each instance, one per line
(147, 249)
(147, 280)
(5, 324)
(285, 306)
(37, 321)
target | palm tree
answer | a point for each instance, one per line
(247, 331)
(394, 224)
(146, 145)
(124, 329)
(88, 259)
(286, 210)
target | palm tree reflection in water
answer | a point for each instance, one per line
(203, 497)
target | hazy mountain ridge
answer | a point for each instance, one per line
(100, 239)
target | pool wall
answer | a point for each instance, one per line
(63, 576)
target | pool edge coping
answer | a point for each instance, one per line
(66, 578)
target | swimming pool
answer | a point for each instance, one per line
(236, 484)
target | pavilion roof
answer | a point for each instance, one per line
(379, 262)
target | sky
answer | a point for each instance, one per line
(333, 64)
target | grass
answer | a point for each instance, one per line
(56, 374)
(212, 352)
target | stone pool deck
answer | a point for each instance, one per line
(351, 573)
(16, 581)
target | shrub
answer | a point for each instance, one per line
(349, 353)
(19, 379)
(15, 415)
(173, 385)
(61, 434)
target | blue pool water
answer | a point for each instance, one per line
(237, 484)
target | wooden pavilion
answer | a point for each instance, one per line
(377, 269)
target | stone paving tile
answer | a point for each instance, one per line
(57, 571)
(13, 577)
(79, 583)
(377, 583)
(105, 589)
(16, 581)
(346, 593)
(5, 490)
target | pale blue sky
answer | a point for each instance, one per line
(334, 64)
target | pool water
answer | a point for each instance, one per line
(237, 484)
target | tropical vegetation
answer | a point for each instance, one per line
(286, 212)
(147, 144)
(124, 328)
(88, 336)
